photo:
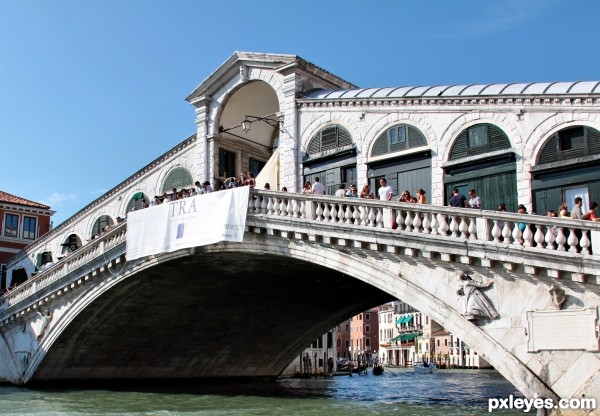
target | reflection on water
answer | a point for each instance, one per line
(396, 392)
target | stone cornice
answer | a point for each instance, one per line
(455, 102)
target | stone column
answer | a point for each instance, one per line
(201, 163)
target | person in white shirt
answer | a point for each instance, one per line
(318, 187)
(341, 191)
(385, 192)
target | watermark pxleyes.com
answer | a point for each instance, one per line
(528, 405)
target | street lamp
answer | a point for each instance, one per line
(273, 122)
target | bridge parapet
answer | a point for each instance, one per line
(546, 245)
(561, 247)
(85, 257)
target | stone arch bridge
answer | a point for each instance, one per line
(307, 262)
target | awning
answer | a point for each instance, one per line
(269, 173)
(408, 337)
(398, 338)
(138, 195)
(404, 319)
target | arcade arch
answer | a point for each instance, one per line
(566, 167)
(401, 155)
(249, 130)
(481, 158)
(331, 156)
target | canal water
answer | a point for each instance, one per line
(397, 392)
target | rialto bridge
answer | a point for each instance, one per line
(308, 262)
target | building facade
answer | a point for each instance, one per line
(22, 222)
(364, 335)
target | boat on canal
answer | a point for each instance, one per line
(377, 370)
(425, 368)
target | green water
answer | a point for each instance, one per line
(449, 392)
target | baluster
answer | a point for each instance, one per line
(326, 213)
(584, 243)
(496, 232)
(272, 208)
(426, 223)
(528, 236)
(435, 224)
(364, 216)
(300, 209)
(263, 205)
(251, 204)
(319, 212)
(539, 237)
(453, 226)
(550, 237)
(572, 241)
(400, 220)
(561, 239)
(379, 218)
(283, 207)
(417, 222)
(516, 234)
(257, 202)
(506, 232)
(472, 229)
(372, 217)
(408, 221)
(341, 213)
(348, 215)
(356, 214)
(289, 208)
(444, 227)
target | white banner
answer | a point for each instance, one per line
(190, 222)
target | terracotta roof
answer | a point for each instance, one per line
(17, 200)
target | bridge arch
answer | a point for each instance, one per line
(375, 276)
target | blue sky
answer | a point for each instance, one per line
(93, 90)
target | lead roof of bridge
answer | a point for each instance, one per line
(7, 198)
(533, 88)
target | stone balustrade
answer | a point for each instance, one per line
(84, 257)
(534, 231)
(538, 234)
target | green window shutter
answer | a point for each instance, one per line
(593, 139)
(460, 148)
(549, 153)
(498, 139)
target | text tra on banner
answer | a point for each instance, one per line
(190, 222)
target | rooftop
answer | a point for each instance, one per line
(532, 88)
(7, 198)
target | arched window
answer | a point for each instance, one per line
(72, 243)
(178, 178)
(570, 143)
(329, 138)
(479, 139)
(397, 138)
(101, 225)
(138, 201)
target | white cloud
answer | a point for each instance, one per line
(57, 199)
(495, 17)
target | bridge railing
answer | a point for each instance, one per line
(541, 232)
(534, 231)
(78, 259)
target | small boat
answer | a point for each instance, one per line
(377, 370)
(425, 368)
